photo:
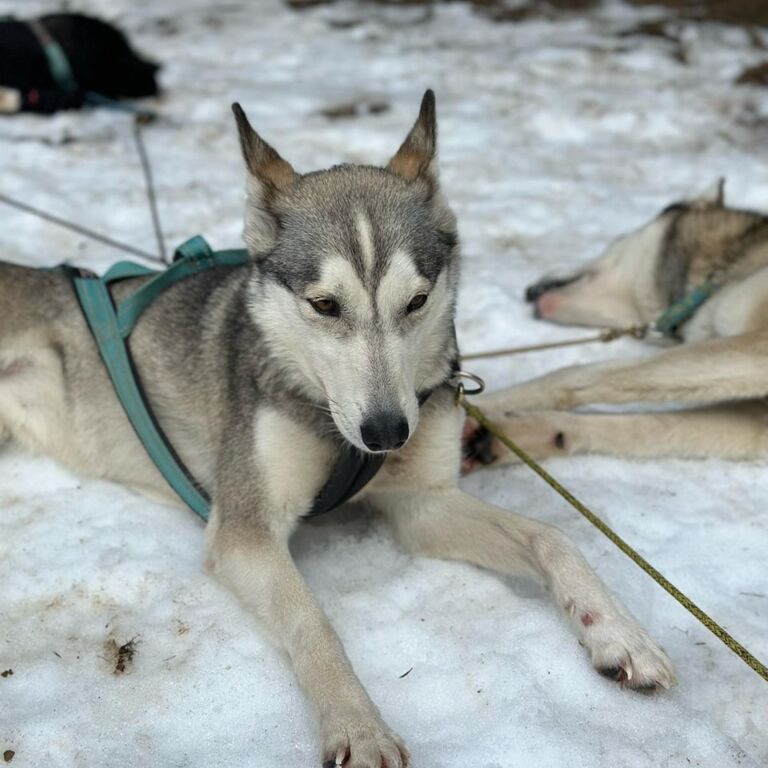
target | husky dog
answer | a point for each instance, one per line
(331, 335)
(723, 364)
(99, 55)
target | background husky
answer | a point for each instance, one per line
(724, 360)
(101, 58)
(342, 318)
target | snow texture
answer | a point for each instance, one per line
(555, 136)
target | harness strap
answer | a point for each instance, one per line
(192, 257)
(111, 326)
(58, 63)
(353, 471)
(110, 329)
(670, 321)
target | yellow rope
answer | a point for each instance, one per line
(606, 530)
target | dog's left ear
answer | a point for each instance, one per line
(262, 160)
(416, 158)
(268, 175)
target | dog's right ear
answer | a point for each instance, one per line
(416, 158)
(268, 175)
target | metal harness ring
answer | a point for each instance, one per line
(461, 390)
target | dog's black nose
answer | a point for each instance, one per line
(384, 431)
(532, 292)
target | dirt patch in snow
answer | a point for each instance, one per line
(120, 657)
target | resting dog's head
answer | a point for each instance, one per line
(642, 273)
(354, 286)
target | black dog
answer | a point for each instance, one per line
(98, 63)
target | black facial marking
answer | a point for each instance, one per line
(675, 208)
(318, 219)
(674, 260)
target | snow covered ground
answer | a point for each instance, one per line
(555, 137)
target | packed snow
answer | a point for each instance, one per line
(555, 136)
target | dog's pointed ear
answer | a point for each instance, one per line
(713, 195)
(720, 199)
(416, 157)
(268, 175)
(262, 160)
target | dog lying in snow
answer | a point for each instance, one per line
(721, 368)
(99, 56)
(338, 332)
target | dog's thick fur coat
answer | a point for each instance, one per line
(257, 374)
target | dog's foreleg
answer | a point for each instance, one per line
(735, 432)
(453, 525)
(709, 371)
(259, 569)
(260, 497)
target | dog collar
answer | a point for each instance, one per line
(58, 63)
(670, 321)
(111, 326)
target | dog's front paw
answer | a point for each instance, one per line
(359, 740)
(625, 652)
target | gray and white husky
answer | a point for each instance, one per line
(261, 374)
(722, 367)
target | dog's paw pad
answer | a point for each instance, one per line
(621, 676)
(624, 652)
(360, 744)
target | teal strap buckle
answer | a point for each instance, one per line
(111, 327)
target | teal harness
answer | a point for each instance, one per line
(670, 321)
(111, 327)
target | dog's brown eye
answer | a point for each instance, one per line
(417, 302)
(325, 307)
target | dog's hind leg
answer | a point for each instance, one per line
(33, 408)
(32, 397)
(736, 432)
(716, 370)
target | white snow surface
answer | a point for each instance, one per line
(555, 136)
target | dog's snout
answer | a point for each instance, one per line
(384, 431)
(537, 290)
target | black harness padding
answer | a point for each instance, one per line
(351, 473)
